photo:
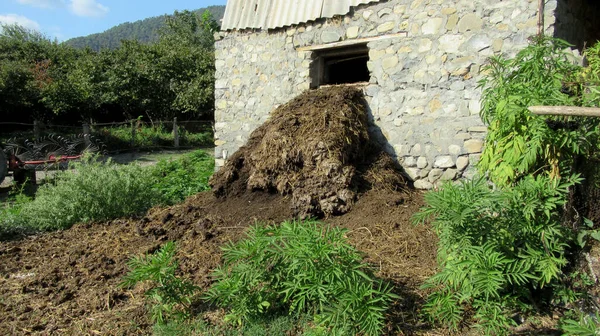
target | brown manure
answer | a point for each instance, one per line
(315, 148)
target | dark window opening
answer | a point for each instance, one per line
(341, 66)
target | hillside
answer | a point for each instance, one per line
(145, 31)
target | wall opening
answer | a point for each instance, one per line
(576, 22)
(347, 65)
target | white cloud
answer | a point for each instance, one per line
(40, 3)
(89, 8)
(20, 20)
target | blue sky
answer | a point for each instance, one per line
(64, 19)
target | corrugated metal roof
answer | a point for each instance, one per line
(270, 14)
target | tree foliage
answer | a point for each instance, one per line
(42, 79)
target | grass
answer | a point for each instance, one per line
(148, 137)
(97, 191)
(119, 138)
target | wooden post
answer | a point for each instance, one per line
(36, 129)
(573, 111)
(132, 133)
(86, 135)
(175, 133)
(541, 7)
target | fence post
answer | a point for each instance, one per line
(175, 133)
(86, 135)
(132, 133)
(36, 129)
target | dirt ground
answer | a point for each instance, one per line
(66, 283)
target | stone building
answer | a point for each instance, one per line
(418, 62)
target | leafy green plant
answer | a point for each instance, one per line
(583, 325)
(170, 296)
(519, 143)
(11, 221)
(496, 249)
(177, 179)
(300, 268)
(92, 191)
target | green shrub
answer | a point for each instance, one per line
(170, 296)
(300, 268)
(177, 179)
(518, 142)
(497, 248)
(94, 191)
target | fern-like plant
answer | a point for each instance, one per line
(497, 247)
(170, 296)
(301, 268)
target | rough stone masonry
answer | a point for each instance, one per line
(422, 93)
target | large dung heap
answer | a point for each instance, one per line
(315, 148)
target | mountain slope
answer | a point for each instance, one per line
(145, 31)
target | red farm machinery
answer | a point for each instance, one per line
(23, 158)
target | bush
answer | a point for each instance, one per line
(518, 142)
(94, 191)
(177, 179)
(497, 249)
(300, 268)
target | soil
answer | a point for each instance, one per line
(67, 283)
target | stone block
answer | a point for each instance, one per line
(423, 184)
(454, 149)
(383, 12)
(412, 173)
(422, 162)
(432, 26)
(386, 26)
(352, 32)
(435, 175)
(462, 163)
(470, 22)
(449, 175)
(473, 146)
(330, 36)
(444, 161)
(451, 43)
(409, 161)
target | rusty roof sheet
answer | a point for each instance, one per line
(270, 14)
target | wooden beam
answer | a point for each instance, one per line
(566, 111)
(352, 42)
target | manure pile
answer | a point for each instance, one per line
(315, 148)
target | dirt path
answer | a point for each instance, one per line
(66, 283)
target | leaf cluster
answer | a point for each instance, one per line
(581, 325)
(170, 296)
(519, 143)
(497, 248)
(300, 268)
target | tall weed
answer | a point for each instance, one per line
(300, 268)
(498, 249)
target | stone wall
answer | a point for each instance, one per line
(422, 94)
